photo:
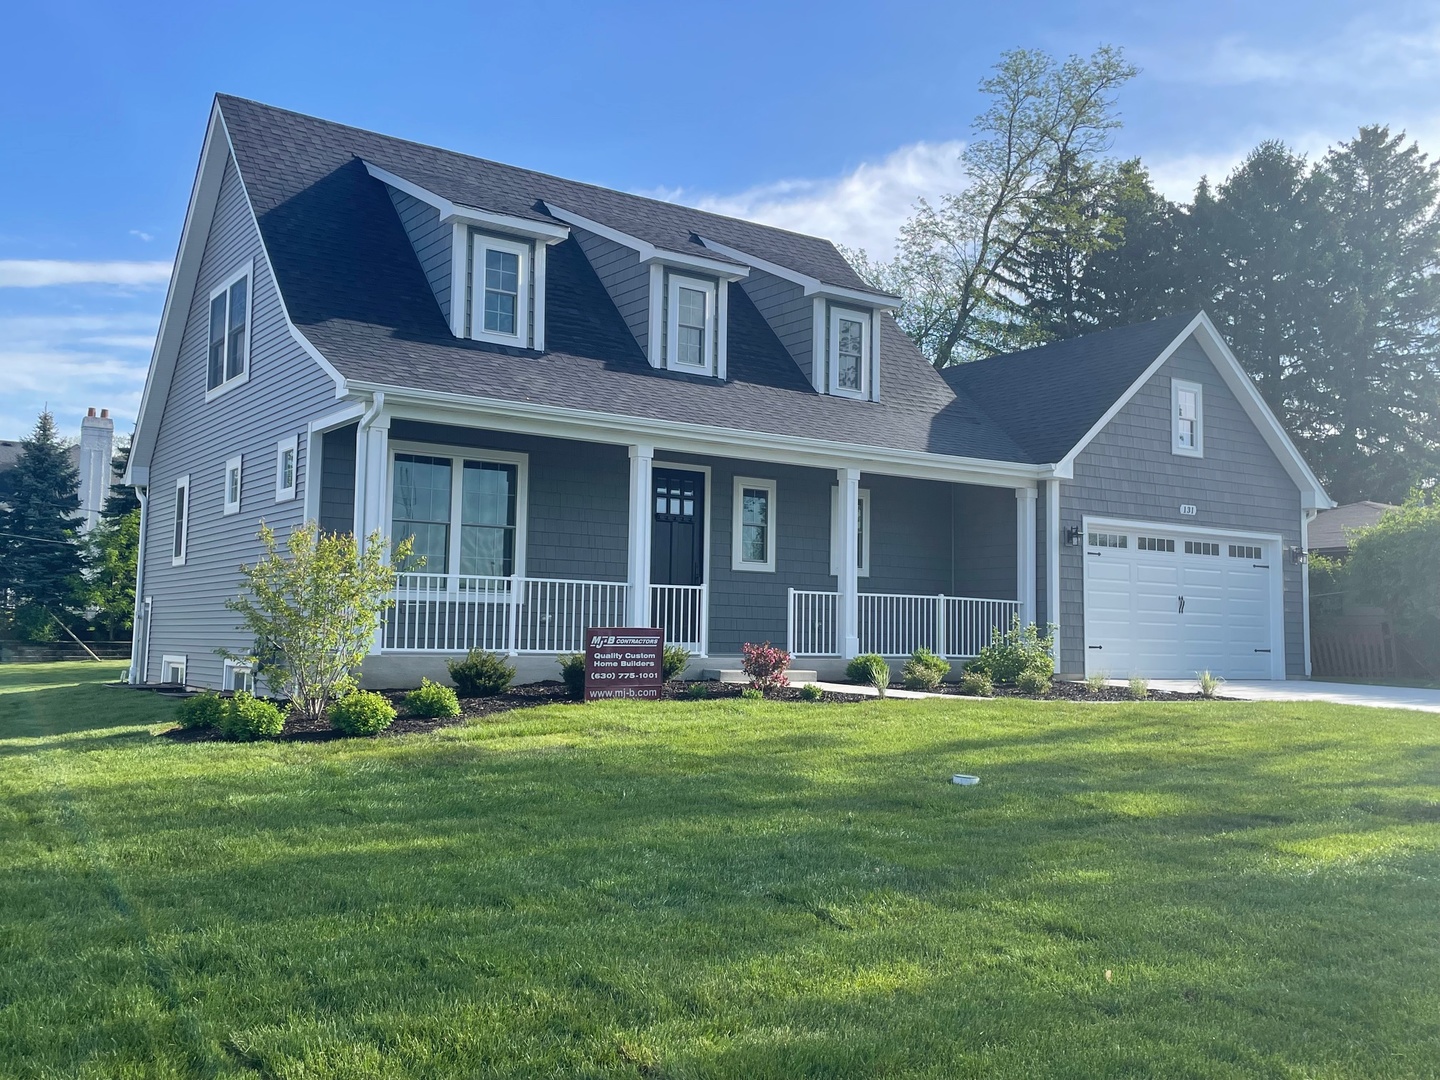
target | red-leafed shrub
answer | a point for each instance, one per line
(765, 664)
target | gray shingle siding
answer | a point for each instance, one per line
(625, 279)
(790, 313)
(433, 243)
(984, 560)
(285, 389)
(337, 480)
(910, 536)
(1128, 471)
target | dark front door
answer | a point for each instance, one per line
(677, 537)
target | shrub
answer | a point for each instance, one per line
(201, 711)
(698, 690)
(765, 664)
(675, 658)
(362, 713)
(1096, 681)
(1015, 650)
(250, 718)
(1395, 565)
(1209, 683)
(811, 692)
(313, 607)
(431, 699)
(752, 693)
(977, 684)
(572, 673)
(924, 670)
(869, 669)
(480, 674)
(1033, 681)
(1139, 687)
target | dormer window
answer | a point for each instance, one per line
(849, 353)
(501, 290)
(691, 316)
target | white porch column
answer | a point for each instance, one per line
(637, 604)
(1053, 542)
(372, 483)
(1025, 553)
(848, 580)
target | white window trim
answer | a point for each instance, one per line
(233, 668)
(480, 244)
(864, 568)
(1198, 450)
(672, 331)
(169, 660)
(247, 270)
(235, 465)
(464, 453)
(292, 446)
(737, 562)
(183, 483)
(833, 351)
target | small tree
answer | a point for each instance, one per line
(313, 608)
(112, 548)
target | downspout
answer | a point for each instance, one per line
(136, 641)
(1307, 515)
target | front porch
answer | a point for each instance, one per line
(715, 550)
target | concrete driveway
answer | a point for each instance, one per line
(1379, 697)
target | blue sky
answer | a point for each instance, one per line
(828, 118)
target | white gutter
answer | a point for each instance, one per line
(136, 644)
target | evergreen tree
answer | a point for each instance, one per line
(120, 500)
(112, 548)
(40, 562)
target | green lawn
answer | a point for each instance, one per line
(722, 889)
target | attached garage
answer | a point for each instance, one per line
(1165, 603)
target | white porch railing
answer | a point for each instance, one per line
(683, 612)
(896, 624)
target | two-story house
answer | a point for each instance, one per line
(591, 408)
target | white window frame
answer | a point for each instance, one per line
(180, 522)
(172, 660)
(233, 466)
(865, 318)
(1176, 387)
(864, 519)
(737, 530)
(245, 271)
(234, 668)
(458, 455)
(672, 324)
(289, 445)
(481, 243)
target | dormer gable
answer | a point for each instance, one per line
(833, 332)
(676, 303)
(486, 269)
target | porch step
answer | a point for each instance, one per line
(796, 676)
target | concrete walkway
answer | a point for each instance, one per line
(1378, 697)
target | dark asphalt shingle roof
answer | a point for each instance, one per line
(1048, 397)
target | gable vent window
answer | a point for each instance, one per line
(228, 361)
(1187, 418)
(691, 318)
(849, 353)
(501, 288)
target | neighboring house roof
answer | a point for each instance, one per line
(10, 450)
(1329, 531)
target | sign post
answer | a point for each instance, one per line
(624, 663)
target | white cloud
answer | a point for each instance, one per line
(33, 273)
(1364, 55)
(862, 208)
(145, 236)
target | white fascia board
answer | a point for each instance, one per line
(610, 428)
(812, 286)
(452, 211)
(1312, 493)
(648, 252)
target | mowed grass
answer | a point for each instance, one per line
(721, 888)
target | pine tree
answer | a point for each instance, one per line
(120, 500)
(41, 563)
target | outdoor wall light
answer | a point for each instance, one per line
(1299, 555)
(1072, 536)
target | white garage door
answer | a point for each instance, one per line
(1165, 604)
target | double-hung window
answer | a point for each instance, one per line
(501, 290)
(862, 532)
(1187, 419)
(232, 485)
(287, 453)
(753, 538)
(690, 311)
(180, 529)
(462, 512)
(849, 353)
(228, 359)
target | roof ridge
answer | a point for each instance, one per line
(1033, 350)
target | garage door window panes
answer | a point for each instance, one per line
(1110, 540)
(1154, 543)
(1201, 547)
(1246, 551)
